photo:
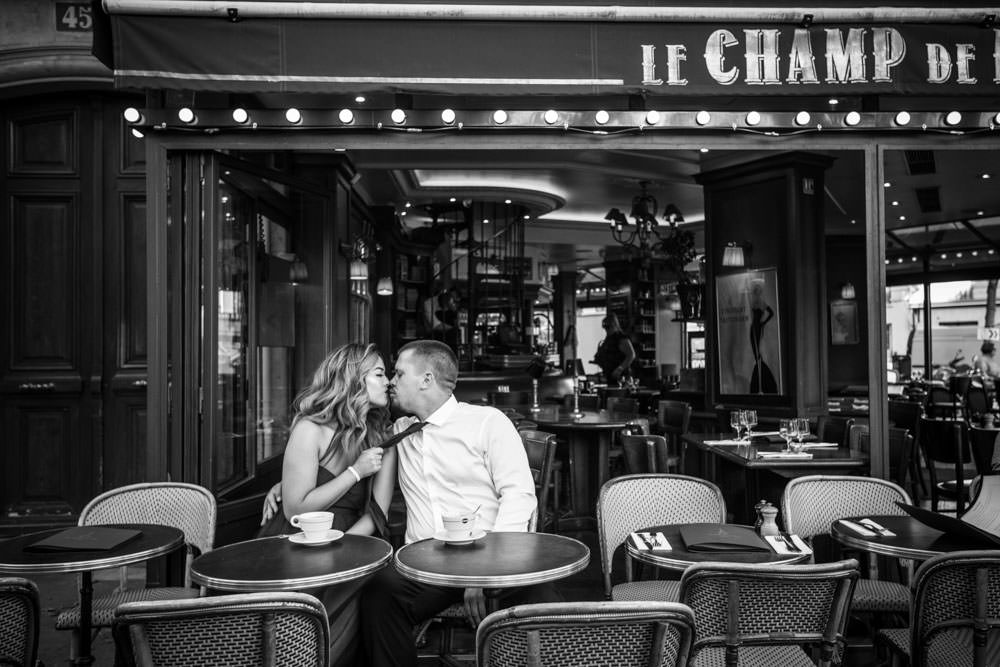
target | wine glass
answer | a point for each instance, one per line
(801, 431)
(787, 429)
(751, 421)
(734, 421)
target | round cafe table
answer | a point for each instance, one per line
(913, 540)
(152, 542)
(276, 564)
(679, 558)
(588, 463)
(497, 560)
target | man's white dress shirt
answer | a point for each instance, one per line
(466, 456)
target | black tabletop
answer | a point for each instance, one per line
(913, 540)
(554, 417)
(276, 564)
(498, 560)
(153, 541)
(679, 558)
(746, 455)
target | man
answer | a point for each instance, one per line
(466, 456)
(615, 353)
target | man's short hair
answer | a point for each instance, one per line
(441, 359)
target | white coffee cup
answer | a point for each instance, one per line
(459, 526)
(315, 525)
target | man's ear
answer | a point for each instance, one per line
(427, 379)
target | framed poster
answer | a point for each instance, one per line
(748, 322)
(844, 322)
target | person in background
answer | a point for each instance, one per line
(465, 457)
(986, 362)
(332, 452)
(440, 313)
(615, 353)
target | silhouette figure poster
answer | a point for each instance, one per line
(749, 329)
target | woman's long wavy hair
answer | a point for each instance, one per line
(338, 398)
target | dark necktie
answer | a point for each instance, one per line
(374, 511)
(410, 430)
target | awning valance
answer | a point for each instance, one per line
(313, 53)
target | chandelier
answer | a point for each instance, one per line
(642, 235)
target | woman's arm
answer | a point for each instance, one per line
(299, 492)
(385, 482)
(625, 347)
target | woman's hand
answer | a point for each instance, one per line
(271, 503)
(370, 462)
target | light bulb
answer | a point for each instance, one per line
(132, 115)
(346, 116)
(185, 115)
(448, 116)
(602, 117)
(652, 117)
(240, 115)
(703, 118)
(753, 118)
(398, 116)
(293, 115)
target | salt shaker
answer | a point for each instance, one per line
(760, 518)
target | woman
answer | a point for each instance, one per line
(615, 353)
(762, 379)
(331, 452)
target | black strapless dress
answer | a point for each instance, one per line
(346, 510)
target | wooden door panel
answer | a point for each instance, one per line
(44, 275)
(125, 444)
(44, 143)
(44, 457)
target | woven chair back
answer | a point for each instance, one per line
(187, 507)
(632, 502)
(266, 629)
(956, 607)
(738, 606)
(810, 504)
(610, 634)
(19, 617)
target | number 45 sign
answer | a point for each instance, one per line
(989, 333)
(74, 17)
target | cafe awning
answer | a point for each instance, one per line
(545, 49)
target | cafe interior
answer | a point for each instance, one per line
(798, 463)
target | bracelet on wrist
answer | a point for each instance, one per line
(354, 472)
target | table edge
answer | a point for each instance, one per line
(880, 548)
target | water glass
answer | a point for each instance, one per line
(734, 421)
(751, 417)
(803, 428)
(787, 429)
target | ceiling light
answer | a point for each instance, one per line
(452, 199)
(360, 99)
(902, 118)
(887, 184)
(847, 291)
(137, 133)
(895, 203)
(132, 115)
(852, 118)
(953, 118)
(384, 287)
(975, 253)
(652, 117)
(448, 116)
(958, 254)
(398, 116)
(913, 259)
(944, 255)
(402, 213)
(802, 118)
(753, 118)
(240, 115)
(486, 221)
(703, 118)
(986, 176)
(346, 116)
(499, 116)
(407, 204)
(551, 116)
(506, 201)
(980, 212)
(902, 217)
(293, 115)
(703, 149)
(853, 221)
(526, 216)
(185, 115)
(602, 117)
(833, 101)
(990, 251)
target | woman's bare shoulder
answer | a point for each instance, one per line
(306, 431)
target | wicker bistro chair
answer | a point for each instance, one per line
(633, 502)
(810, 504)
(586, 633)
(266, 629)
(188, 507)
(751, 615)
(956, 607)
(19, 618)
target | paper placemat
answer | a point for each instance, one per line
(650, 541)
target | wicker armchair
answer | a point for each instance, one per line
(633, 502)
(762, 614)
(956, 605)
(586, 633)
(267, 629)
(19, 613)
(810, 504)
(188, 507)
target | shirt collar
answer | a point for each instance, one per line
(441, 415)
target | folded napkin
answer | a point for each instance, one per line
(781, 547)
(725, 442)
(857, 528)
(650, 541)
(877, 527)
(784, 455)
(819, 445)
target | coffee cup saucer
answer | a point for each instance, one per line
(324, 538)
(442, 536)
